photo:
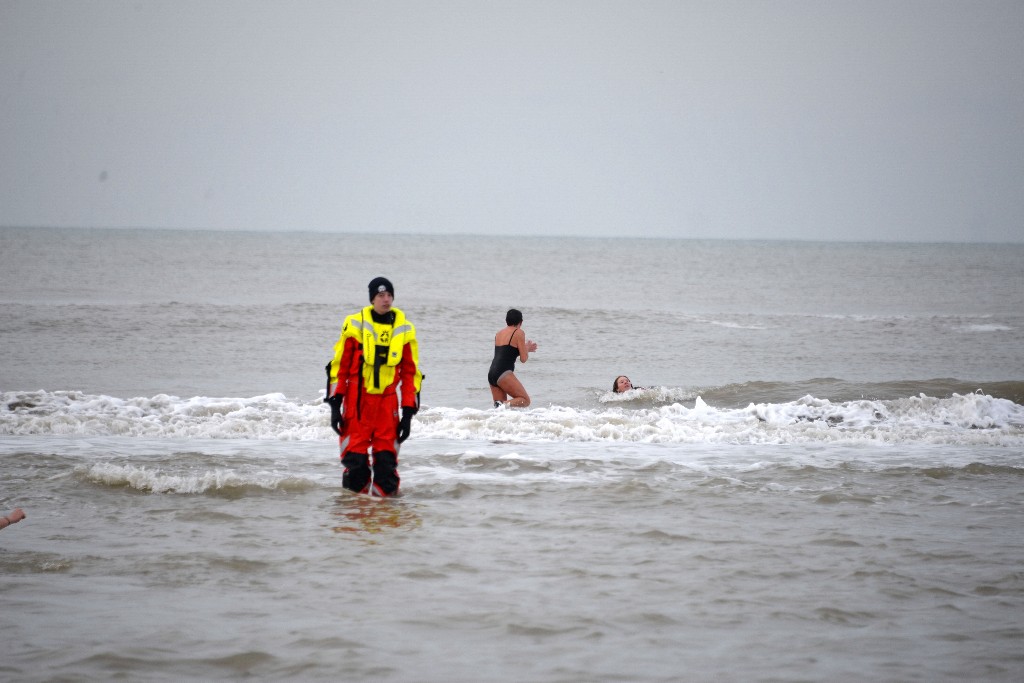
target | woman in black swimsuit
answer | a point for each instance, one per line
(510, 343)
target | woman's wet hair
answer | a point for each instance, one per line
(513, 317)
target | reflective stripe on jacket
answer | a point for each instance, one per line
(358, 346)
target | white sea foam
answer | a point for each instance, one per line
(649, 395)
(162, 480)
(971, 419)
(958, 420)
(731, 324)
(271, 416)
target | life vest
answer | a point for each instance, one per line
(380, 349)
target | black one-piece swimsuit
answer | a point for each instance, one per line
(504, 360)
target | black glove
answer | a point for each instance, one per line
(405, 425)
(337, 422)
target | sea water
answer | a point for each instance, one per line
(821, 481)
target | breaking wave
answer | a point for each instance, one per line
(658, 415)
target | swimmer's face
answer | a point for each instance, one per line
(623, 384)
(382, 302)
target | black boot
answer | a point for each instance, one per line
(356, 476)
(385, 473)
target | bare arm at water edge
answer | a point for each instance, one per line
(526, 347)
(13, 517)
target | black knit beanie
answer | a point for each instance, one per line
(381, 284)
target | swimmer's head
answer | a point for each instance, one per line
(513, 317)
(621, 384)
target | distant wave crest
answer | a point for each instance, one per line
(221, 481)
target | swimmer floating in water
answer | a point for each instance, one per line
(622, 384)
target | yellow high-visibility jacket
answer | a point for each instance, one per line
(376, 358)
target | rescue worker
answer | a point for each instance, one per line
(374, 373)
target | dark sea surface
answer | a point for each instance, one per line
(824, 479)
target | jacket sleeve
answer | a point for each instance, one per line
(345, 366)
(411, 378)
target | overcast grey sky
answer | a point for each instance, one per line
(857, 120)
